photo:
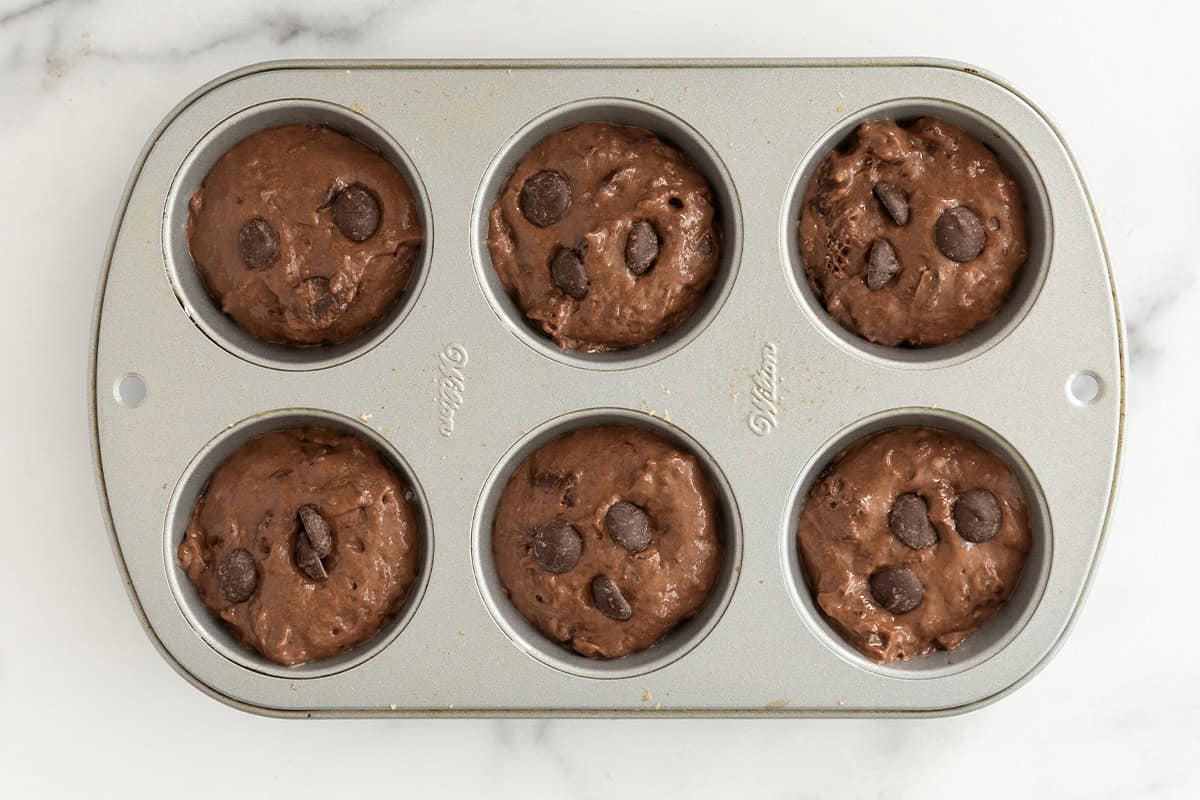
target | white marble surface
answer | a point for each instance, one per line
(87, 705)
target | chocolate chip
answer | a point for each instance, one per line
(708, 246)
(628, 526)
(356, 213)
(317, 530)
(545, 198)
(307, 559)
(641, 247)
(909, 521)
(977, 515)
(608, 599)
(959, 234)
(317, 303)
(894, 201)
(258, 243)
(556, 546)
(897, 589)
(237, 576)
(568, 274)
(882, 264)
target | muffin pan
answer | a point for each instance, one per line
(456, 388)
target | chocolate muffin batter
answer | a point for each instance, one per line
(911, 540)
(912, 235)
(304, 542)
(604, 236)
(607, 538)
(304, 236)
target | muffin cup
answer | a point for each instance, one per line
(676, 133)
(211, 628)
(676, 643)
(189, 287)
(998, 631)
(1029, 281)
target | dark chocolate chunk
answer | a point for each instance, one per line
(237, 576)
(909, 521)
(545, 198)
(641, 247)
(568, 274)
(959, 234)
(556, 546)
(977, 515)
(882, 264)
(356, 213)
(894, 201)
(628, 526)
(897, 589)
(708, 246)
(317, 303)
(258, 243)
(317, 530)
(608, 599)
(307, 559)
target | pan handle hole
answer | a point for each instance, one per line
(130, 390)
(1084, 388)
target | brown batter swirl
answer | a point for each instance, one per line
(578, 478)
(930, 167)
(312, 283)
(845, 537)
(252, 504)
(617, 176)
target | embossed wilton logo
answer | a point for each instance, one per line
(451, 383)
(764, 392)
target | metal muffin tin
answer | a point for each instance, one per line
(455, 388)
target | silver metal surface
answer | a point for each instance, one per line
(456, 388)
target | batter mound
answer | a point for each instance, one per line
(304, 543)
(911, 540)
(606, 538)
(605, 237)
(304, 236)
(912, 235)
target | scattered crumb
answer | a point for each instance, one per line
(761, 582)
(392, 706)
(365, 416)
(508, 71)
(460, 633)
(358, 108)
(164, 486)
(782, 702)
(735, 395)
(657, 706)
(393, 369)
(646, 695)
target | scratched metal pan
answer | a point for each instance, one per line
(455, 388)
